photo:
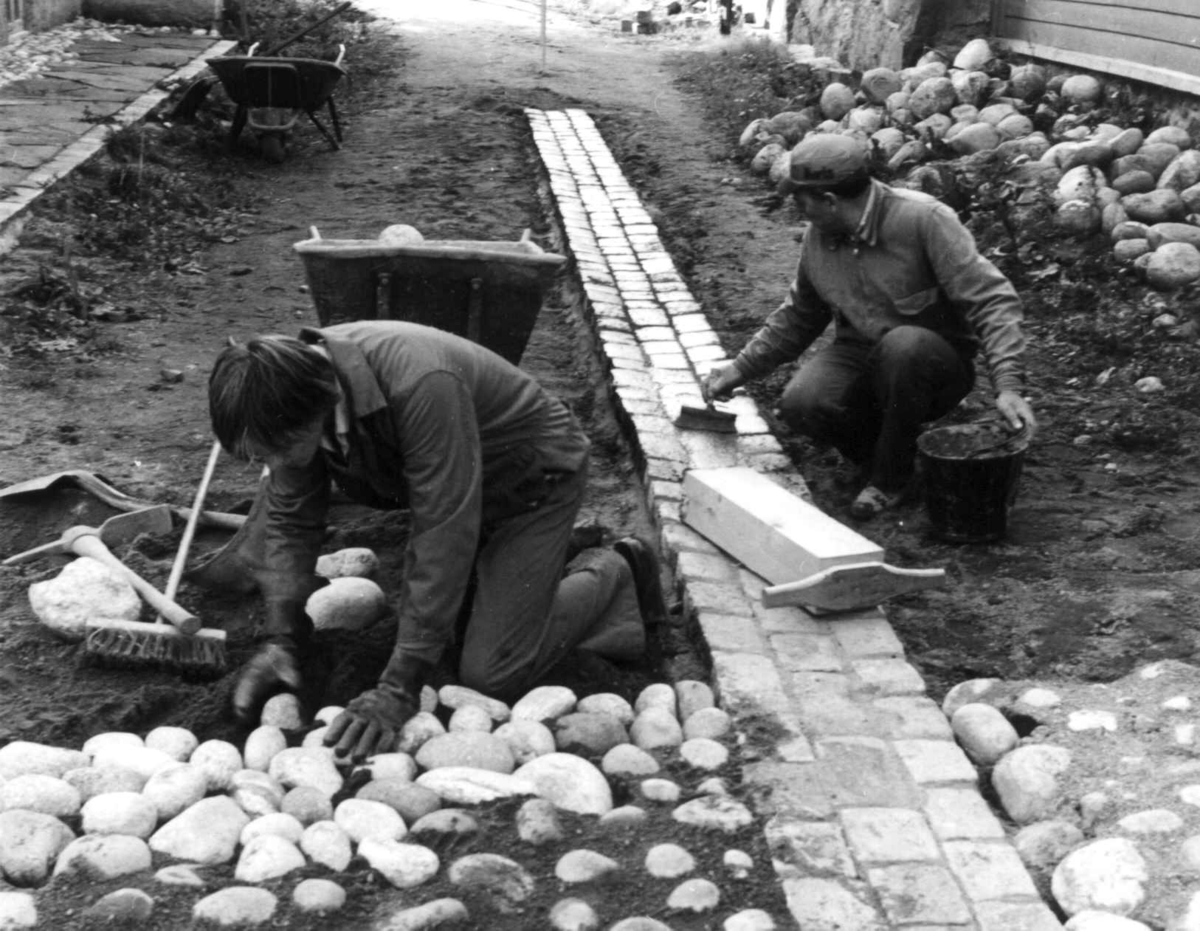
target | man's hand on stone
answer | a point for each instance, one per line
(275, 667)
(371, 723)
(718, 385)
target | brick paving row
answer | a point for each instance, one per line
(873, 812)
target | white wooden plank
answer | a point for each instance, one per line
(771, 531)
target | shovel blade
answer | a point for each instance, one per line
(124, 527)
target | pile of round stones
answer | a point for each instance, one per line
(272, 808)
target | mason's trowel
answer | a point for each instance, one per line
(691, 417)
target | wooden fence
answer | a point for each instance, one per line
(1156, 41)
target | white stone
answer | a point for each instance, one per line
(983, 732)
(280, 824)
(713, 723)
(1082, 89)
(120, 813)
(668, 861)
(176, 742)
(462, 785)
(306, 766)
(98, 742)
(544, 703)
(236, 905)
(1043, 844)
(23, 757)
(628, 760)
(1039, 698)
(573, 915)
(1089, 720)
(582, 866)
(17, 910)
(403, 865)
(660, 790)
(326, 843)
(314, 738)
(607, 703)
(176, 789)
(264, 782)
(391, 766)
(1151, 821)
(703, 753)
(362, 819)
(218, 760)
(694, 895)
(180, 874)
(267, 857)
(570, 782)
(318, 896)
(307, 805)
(346, 603)
(1178, 703)
(715, 812)
(263, 743)
(475, 750)
(36, 792)
(655, 728)
(104, 856)
(974, 55)
(207, 832)
(738, 862)
(1028, 781)
(969, 691)
(145, 761)
(1106, 875)
(85, 590)
(507, 882)
(470, 719)
(29, 844)
(437, 913)
(352, 561)
(283, 711)
(657, 695)
(92, 782)
(459, 696)
(526, 739)
(749, 919)
(328, 714)
(418, 730)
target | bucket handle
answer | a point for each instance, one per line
(1020, 436)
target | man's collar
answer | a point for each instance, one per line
(867, 232)
(354, 374)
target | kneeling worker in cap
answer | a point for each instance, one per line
(911, 300)
(491, 470)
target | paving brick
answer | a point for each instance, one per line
(789, 620)
(680, 537)
(867, 634)
(721, 597)
(988, 870)
(670, 490)
(807, 652)
(673, 361)
(792, 744)
(961, 814)
(691, 323)
(665, 511)
(824, 703)
(707, 450)
(662, 445)
(690, 339)
(706, 567)
(653, 424)
(912, 893)
(888, 835)
(1016, 916)
(889, 676)
(828, 905)
(914, 716)
(865, 772)
(936, 761)
(748, 684)
(792, 789)
(801, 848)
(665, 469)
(705, 357)
(623, 378)
(648, 316)
(730, 632)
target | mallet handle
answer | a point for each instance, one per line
(87, 543)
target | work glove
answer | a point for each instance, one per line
(276, 665)
(274, 668)
(372, 722)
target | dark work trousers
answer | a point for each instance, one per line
(527, 613)
(870, 401)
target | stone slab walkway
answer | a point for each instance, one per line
(875, 816)
(52, 123)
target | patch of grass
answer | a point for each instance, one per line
(745, 80)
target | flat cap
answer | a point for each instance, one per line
(824, 159)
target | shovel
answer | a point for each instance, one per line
(95, 542)
(99, 487)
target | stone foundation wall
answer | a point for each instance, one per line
(865, 34)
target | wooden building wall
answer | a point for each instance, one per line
(1157, 41)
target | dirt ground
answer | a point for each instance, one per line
(1097, 573)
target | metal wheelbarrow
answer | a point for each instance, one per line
(271, 93)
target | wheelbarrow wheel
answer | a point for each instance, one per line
(273, 148)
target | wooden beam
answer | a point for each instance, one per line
(1129, 70)
(771, 531)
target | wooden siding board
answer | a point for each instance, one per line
(1107, 19)
(1086, 10)
(1110, 45)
